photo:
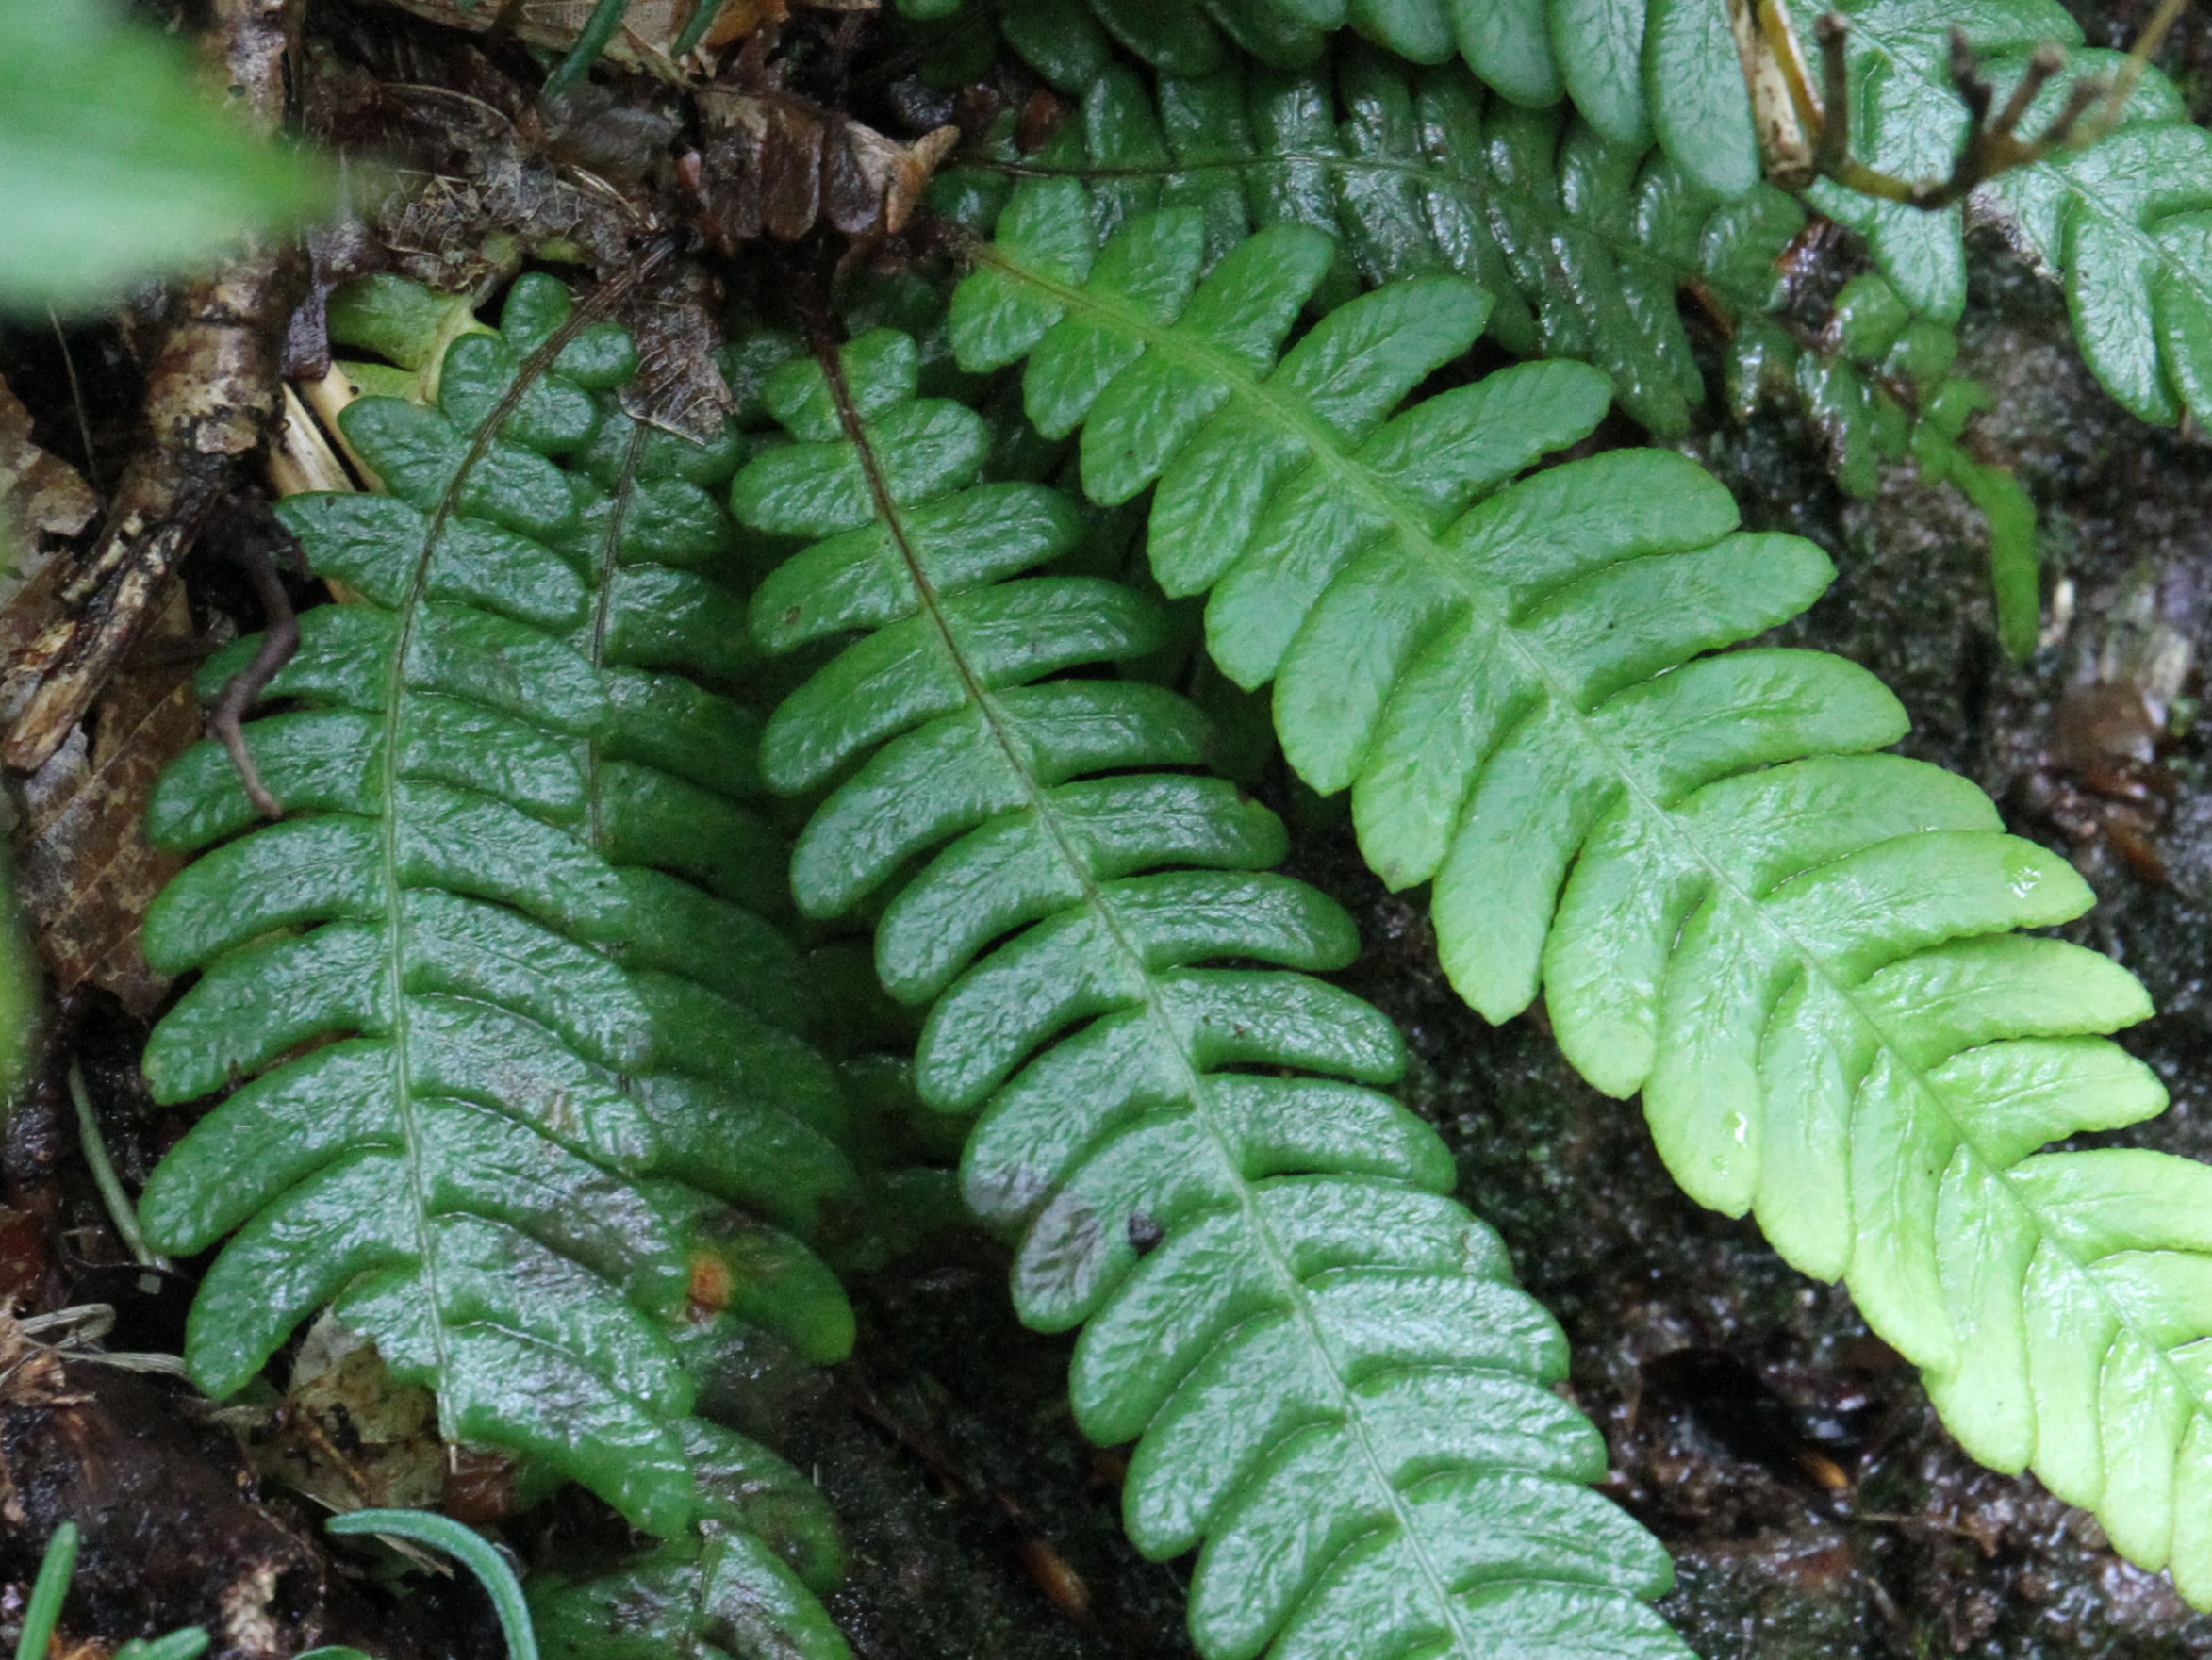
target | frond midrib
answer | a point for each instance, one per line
(395, 929)
(396, 690)
(1475, 191)
(602, 616)
(1421, 544)
(1289, 1287)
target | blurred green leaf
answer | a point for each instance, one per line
(115, 165)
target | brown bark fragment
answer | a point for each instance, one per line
(84, 869)
(212, 397)
(779, 164)
(649, 31)
(40, 494)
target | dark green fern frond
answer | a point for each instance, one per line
(2120, 222)
(740, 1586)
(1880, 392)
(1586, 242)
(1189, 39)
(1800, 950)
(2125, 224)
(502, 1076)
(1338, 1390)
(1509, 43)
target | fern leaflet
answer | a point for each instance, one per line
(1337, 1386)
(1799, 949)
(741, 1587)
(500, 1087)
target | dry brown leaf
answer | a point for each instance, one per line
(442, 233)
(778, 163)
(348, 1434)
(676, 324)
(40, 494)
(85, 874)
(649, 32)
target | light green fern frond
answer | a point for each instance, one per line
(1799, 949)
(1335, 1387)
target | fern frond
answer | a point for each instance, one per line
(1800, 950)
(1881, 392)
(1509, 43)
(507, 1057)
(1585, 241)
(2125, 224)
(740, 1586)
(1338, 1390)
(1584, 244)
(2121, 222)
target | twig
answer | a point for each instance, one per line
(1774, 70)
(280, 639)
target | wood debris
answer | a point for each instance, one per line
(212, 399)
(779, 164)
(85, 874)
(41, 495)
(649, 29)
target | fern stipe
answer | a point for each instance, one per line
(1335, 1387)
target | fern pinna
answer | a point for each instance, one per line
(506, 1061)
(1337, 1386)
(1802, 951)
(739, 1586)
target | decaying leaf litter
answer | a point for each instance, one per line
(1840, 1523)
